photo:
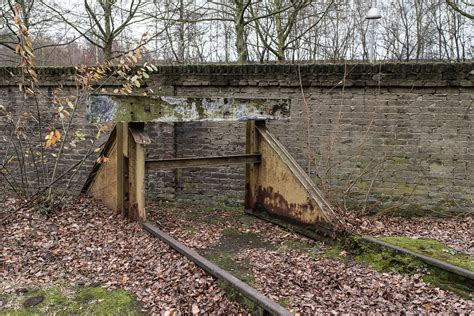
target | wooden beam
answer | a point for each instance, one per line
(97, 166)
(136, 174)
(212, 161)
(251, 171)
(140, 137)
(101, 182)
(122, 153)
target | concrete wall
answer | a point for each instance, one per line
(389, 136)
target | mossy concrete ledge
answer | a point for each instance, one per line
(128, 108)
(429, 260)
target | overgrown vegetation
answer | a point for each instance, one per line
(348, 247)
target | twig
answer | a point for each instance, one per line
(379, 168)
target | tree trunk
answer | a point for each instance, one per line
(107, 50)
(241, 40)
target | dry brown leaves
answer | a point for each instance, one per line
(86, 244)
(322, 285)
(456, 232)
(176, 219)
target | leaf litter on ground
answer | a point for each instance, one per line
(307, 281)
(86, 243)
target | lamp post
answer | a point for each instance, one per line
(372, 16)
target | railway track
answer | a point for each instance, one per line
(216, 252)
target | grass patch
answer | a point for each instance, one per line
(433, 249)
(82, 301)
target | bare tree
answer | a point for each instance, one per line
(101, 22)
(457, 7)
(241, 30)
(282, 18)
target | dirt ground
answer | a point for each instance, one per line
(304, 275)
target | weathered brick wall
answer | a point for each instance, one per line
(389, 136)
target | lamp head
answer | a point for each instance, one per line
(373, 14)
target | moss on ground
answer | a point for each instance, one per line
(240, 269)
(311, 249)
(285, 302)
(230, 244)
(449, 281)
(385, 260)
(206, 215)
(334, 252)
(83, 301)
(433, 249)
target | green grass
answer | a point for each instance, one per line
(83, 301)
(433, 249)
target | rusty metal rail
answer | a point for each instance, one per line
(261, 300)
(202, 161)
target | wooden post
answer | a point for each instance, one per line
(136, 173)
(251, 170)
(122, 154)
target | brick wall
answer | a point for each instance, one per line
(385, 136)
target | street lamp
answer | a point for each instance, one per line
(373, 14)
